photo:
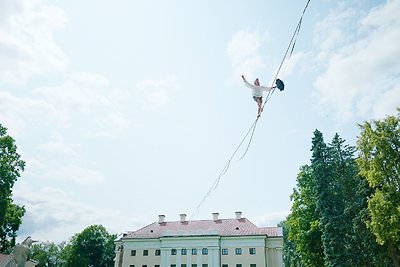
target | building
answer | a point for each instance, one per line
(202, 243)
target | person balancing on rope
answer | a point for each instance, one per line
(257, 92)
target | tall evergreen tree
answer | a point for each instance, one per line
(329, 202)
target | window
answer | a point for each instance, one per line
(238, 251)
(224, 265)
(183, 265)
(156, 265)
(173, 265)
(194, 265)
(157, 252)
(173, 251)
(252, 251)
(194, 251)
(145, 252)
(133, 252)
(253, 265)
(204, 265)
(224, 251)
(184, 251)
(144, 265)
(239, 265)
(131, 265)
(204, 251)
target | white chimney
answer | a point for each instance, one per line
(238, 215)
(215, 216)
(183, 217)
(161, 218)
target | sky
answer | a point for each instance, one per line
(124, 110)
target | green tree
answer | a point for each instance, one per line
(10, 214)
(48, 254)
(379, 162)
(303, 224)
(366, 251)
(290, 256)
(94, 246)
(341, 200)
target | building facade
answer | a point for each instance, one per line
(203, 243)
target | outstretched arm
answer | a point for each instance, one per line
(266, 88)
(247, 83)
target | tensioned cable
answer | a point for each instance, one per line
(253, 126)
(292, 43)
(224, 170)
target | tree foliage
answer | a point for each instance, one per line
(48, 254)
(303, 224)
(11, 214)
(379, 162)
(327, 223)
(94, 246)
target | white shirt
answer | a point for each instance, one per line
(257, 90)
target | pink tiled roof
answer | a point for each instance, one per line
(3, 256)
(223, 227)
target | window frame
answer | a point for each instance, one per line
(238, 251)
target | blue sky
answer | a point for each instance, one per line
(124, 110)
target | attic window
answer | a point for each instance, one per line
(237, 228)
(151, 231)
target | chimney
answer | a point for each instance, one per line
(183, 217)
(215, 216)
(238, 215)
(161, 218)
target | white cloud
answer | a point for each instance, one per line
(84, 102)
(74, 173)
(290, 64)
(79, 92)
(16, 112)
(157, 92)
(271, 218)
(243, 52)
(27, 45)
(362, 74)
(57, 145)
(53, 215)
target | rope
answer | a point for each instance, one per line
(292, 44)
(252, 129)
(225, 169)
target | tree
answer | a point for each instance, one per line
(10, 214)
(303, 224)
(48, 254)
(379, 162)
(94, 246)
(326, 226)
(290, 256)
